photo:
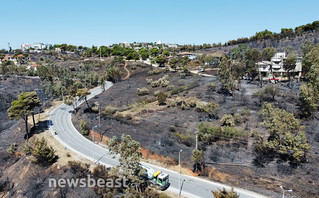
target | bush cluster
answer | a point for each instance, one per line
(192, 102)
(143, 91)
(41, 151)
(84, 127)
(227, 120)
(287, 138)
(186, 139)
(157, 71)
(161, 82)
(209, 133)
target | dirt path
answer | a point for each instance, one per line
(128, 72)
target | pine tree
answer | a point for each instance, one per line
(225, 74)
(307, 100)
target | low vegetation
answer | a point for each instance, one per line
(41, 151)
(143, 91)
(209, 133)
(84, 127)
(287, 139)
(223, 193)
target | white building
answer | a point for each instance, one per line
(191, 56)
(35, 46)
(172, 45)
(275, 68)
(25, 47)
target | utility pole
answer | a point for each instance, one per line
(94, 145)
(99, 118)
(9, 48)
(179, 178)
(196, 133)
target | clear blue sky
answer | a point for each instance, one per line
(101, 22)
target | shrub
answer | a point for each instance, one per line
(84, 128)
(245, 112)
(109, 110)
(170, 87)
(225, 194)
(113, 74)
(163, 82)
(177, 90)
(227, 120)
(142, 91)
(286, 136)
(210, 133)
(268, 93)
(149, 81)
(237, 118)
(156, 93)
(157, 71)
(185, 139)
(212, 86)
(41, 151)
(210, 108)
(161, 98)
(12, 149)
(172, 129)
(307, 100)
(182, 75)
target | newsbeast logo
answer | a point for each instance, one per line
(89, 182)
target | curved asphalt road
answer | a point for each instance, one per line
(60, 120)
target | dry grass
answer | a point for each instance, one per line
(218, 176)
(165, 162)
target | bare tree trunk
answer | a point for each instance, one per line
(26, 126)
(33, 119)
(87, 104)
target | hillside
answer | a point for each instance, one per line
(165, 129)
(288, 43)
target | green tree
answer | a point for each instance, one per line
(238, 53)
(113, 74)
(133, 55)
(144, 53)
(268, 52)
(227, 120)
(41, 151)
(306, 47)
(173, 63)
(307, 100)
(84, 127)
(287, 138)
(24, 106)
(311, 58)
(225, 74)
(225, 194)
(161, 60)
(32, 102)
(166, 53)
(130, 155)
(252, 57)
(161, 98)
(210, 59)
(289, 64)
(313, 79)
(154, 52)
(82, 94)
(102, 83)
(199, 159)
